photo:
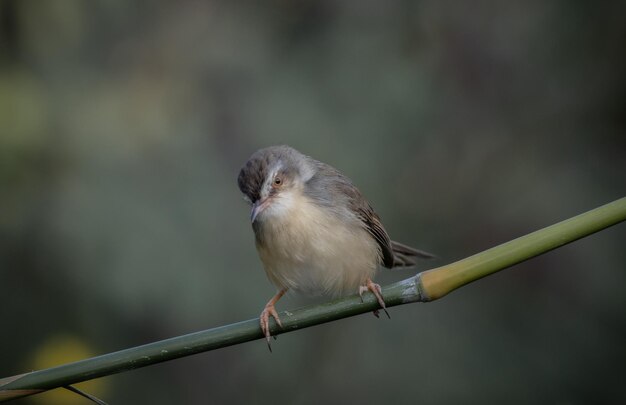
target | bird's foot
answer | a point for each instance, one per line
(264, 320)
(377, 291)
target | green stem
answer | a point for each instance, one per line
(438, 282)
(424, 287)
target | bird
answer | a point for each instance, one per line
(314, 231)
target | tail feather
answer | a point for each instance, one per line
(405, 256)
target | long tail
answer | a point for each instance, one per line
(405, 256)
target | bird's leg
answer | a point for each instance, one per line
(376, 290)
(268, 311)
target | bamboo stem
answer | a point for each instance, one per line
(424, 287)
(438, 282)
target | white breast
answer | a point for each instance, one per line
(303, 248)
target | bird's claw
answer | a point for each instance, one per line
(378, 293)
(264, 320)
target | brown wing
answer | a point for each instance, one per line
(329, 187)
(394, 254)
(376, 229)
(364, 211)
(342, 193)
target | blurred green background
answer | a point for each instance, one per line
(123, 126)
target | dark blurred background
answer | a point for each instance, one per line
(122, 129)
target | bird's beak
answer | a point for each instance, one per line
(257, 207)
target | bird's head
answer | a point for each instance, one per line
(272, 178)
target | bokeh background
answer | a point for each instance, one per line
(122, 129)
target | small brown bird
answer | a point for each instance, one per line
(315, 232)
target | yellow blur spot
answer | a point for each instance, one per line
(59, 350)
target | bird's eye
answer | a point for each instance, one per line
(277, 181)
